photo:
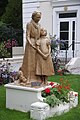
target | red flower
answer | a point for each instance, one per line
(60, 87)
(59, 71)
(53, 86)
(47, 90)
(67, 87)
(76, 95)
(51, 83)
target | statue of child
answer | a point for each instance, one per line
(43, 44)
(44, 65)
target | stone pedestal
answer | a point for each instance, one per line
(20, 97)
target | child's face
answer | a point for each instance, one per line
(43, 32)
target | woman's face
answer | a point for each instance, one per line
(37, 17)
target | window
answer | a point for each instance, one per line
(67, 15)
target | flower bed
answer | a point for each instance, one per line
(60, 97)
(7, 75)
(41, 110)
(58, 93)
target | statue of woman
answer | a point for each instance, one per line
(29, 61)
(37, 63)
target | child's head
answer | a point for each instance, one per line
(43, 32)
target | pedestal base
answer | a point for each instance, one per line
(20, 97)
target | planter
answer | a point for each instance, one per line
(73, 99)
(64, 107)
(58, 110)
(41, 110)
(45, 111)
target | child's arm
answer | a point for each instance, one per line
(42, 54)
(49, 49)
(49, 46)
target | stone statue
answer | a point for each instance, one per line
(30, 70)
(21, 80)
(44, 65)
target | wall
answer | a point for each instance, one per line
(71, 5)
(28, 7)
(46, 9)
(49, 18)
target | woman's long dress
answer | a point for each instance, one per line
(29, 61)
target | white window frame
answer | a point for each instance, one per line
(70, 9)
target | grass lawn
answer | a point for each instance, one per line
(73, 114)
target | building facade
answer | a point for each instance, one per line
(60, 17)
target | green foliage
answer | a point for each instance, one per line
(3, 4)
(57, 93)
(13, 14)
(3, 51)
(8, 32)
(1, 23)
(13, 19)
(52, 100)
(5, 32)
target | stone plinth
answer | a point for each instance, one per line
(20, 97)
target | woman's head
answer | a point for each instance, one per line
(36, 16)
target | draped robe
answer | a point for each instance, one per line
(29, 61)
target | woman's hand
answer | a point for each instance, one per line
(45, 56)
